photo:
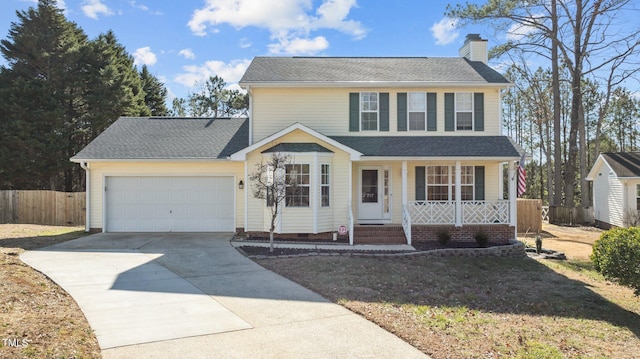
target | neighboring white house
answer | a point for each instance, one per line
(414, 145)
(616, 189)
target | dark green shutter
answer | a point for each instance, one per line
(479, 181)
(449, 112)
(354, 112)
(478, 109)
(402, 111)
(432, 124)
(384, 111)
(420, 184)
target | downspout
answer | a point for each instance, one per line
(87, 225)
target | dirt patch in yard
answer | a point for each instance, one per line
(38, 319)
(575, 242)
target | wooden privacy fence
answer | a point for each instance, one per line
(570, 215)
(529, 215)
(43, 207)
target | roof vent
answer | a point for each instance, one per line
(474, 48)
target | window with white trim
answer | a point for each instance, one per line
(464, 111)
(638, 197)
(417, 109)
(325, 183)
(441, 183)
(369, 111)
(297, 193)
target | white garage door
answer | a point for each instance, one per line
(170, 204)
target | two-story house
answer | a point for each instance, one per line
(409, 145)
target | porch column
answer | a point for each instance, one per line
(404, 183)
(512, 195)
(458, 194)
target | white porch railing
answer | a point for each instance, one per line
(485, 212)
(444, 212)
(406, 223)
(432, 212)
(350, 222)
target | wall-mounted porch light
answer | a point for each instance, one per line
(240, 185)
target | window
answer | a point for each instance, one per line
(297, 179)
(417, 109)
(324, 186)
(369, 111)
(638, 197)
(441, 182)
(464, 111)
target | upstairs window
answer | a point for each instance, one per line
(464, 111)
(417, 108)
(368, 111)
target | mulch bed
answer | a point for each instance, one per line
(419, 246)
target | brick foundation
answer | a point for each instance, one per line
(497, 233)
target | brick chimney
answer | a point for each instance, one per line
(474, 48)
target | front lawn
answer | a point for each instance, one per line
(480, 307)
(38, 319)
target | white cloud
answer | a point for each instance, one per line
(144, 56)
(245, 43)
(187, 53)
(299, 46)
(288, 21)
(231, 72)
(444, 31)
(517, 32)
(93, 8)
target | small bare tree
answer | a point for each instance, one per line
(270, 183)
(631, 218)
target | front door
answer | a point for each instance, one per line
(370, 193)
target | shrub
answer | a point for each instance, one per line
(481, 238)
(443, 237)
(616, 255)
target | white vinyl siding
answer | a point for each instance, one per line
(608, 197)
(326, 110)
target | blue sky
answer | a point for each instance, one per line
(185, 41)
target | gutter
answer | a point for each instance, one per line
(85, 167)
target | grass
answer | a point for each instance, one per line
(479, 307)
(34, 310)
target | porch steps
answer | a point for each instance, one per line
(378, 234)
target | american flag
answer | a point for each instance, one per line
(522, 177)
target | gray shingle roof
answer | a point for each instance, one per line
(433, 146)
(297, 147)
(370, 69)
(624, 164)
(168, 138)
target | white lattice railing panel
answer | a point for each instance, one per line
(406, 223)
(485, 212)
(423, 212)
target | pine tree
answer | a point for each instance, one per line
(155, 93)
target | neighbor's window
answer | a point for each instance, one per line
(297, 179)
(464, 111)
(417, 102)
(441, 183)
(324, 186)
(638, 197)
(369, 111)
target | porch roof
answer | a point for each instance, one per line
(433, 146)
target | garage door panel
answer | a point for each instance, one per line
(164, 204)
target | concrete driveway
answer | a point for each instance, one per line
(193, 295)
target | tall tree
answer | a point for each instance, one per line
(155, 93)
(39, 98)
(588, 40)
